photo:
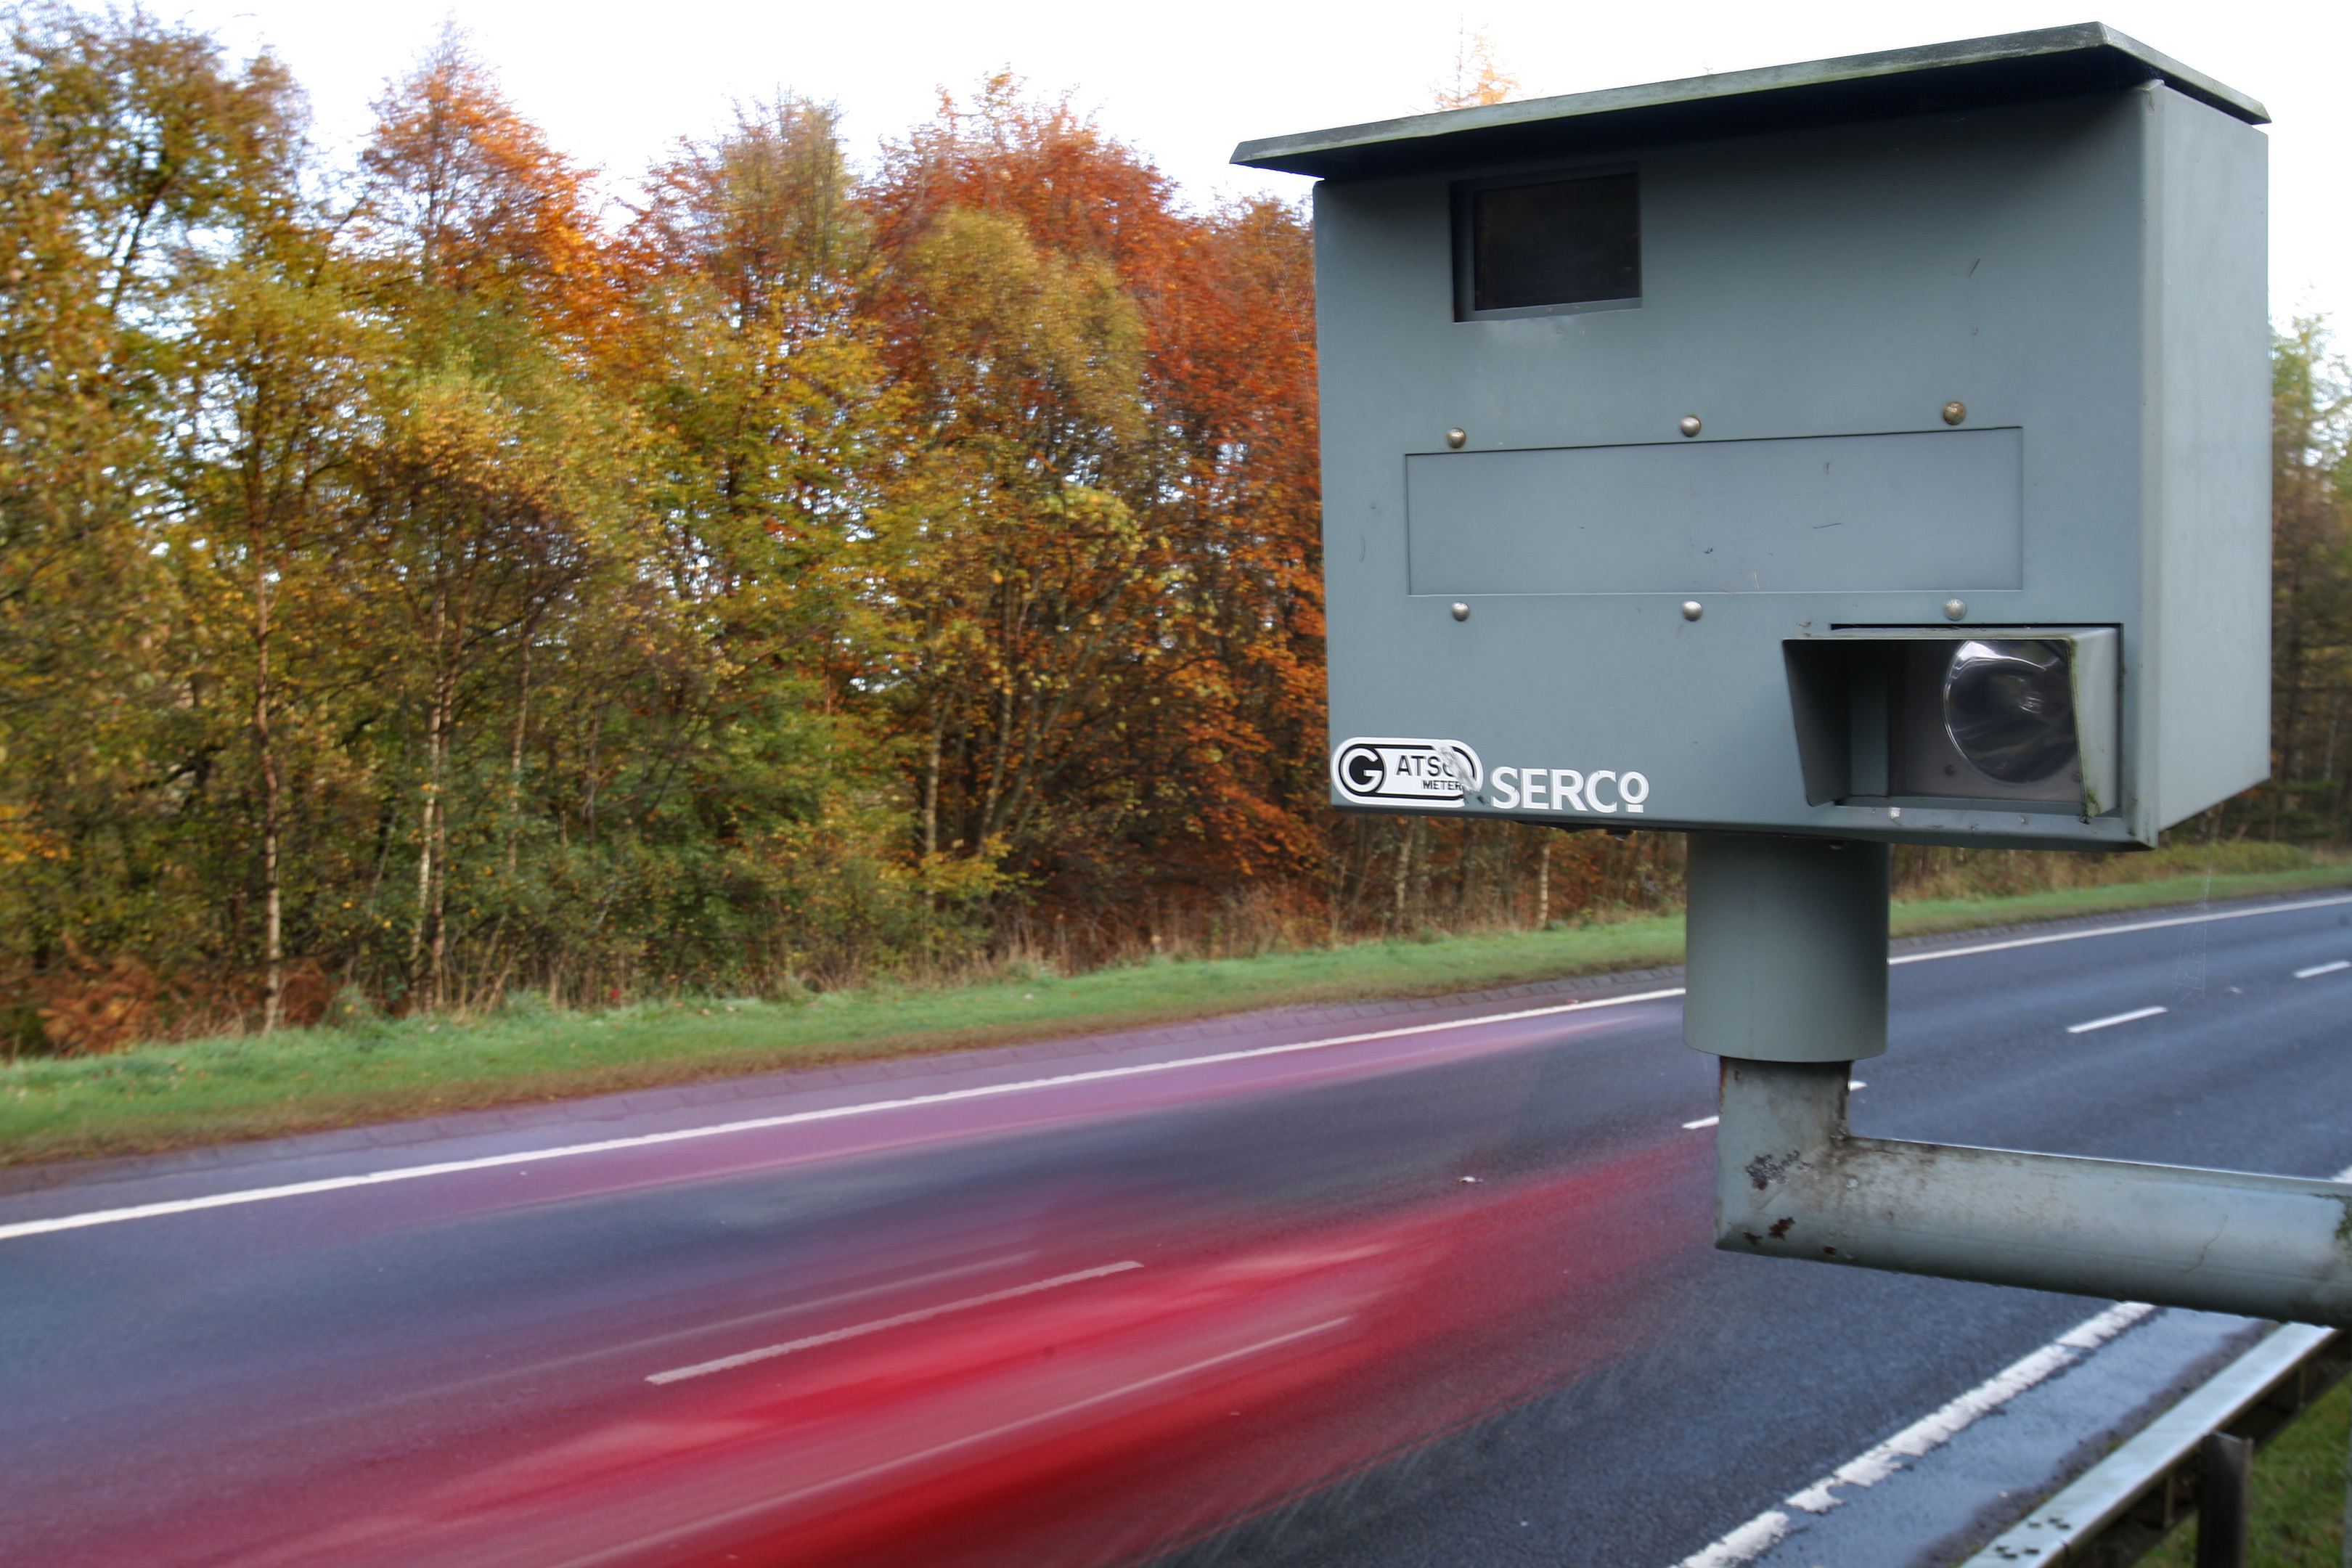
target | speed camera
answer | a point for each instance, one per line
(1874, 448)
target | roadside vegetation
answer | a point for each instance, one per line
(376, 1068)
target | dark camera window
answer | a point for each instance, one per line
(1561, 242)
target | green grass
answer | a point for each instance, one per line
(163, 1097)
(2298, 1503)
(1927, 916)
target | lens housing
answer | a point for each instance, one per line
(1890, 715)
(2009, 708)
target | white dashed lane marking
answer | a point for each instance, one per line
(2135, 1016)
(1705, 1121)
(921, 1315)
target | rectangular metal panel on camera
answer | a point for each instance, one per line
(2012, 291)
(1920, 509)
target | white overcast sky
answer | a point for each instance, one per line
(1184, 81)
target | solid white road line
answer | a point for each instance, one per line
(921, 1315)
(759, 1123)
(1769, 1529)
(2118, 930)
(453, 1167)
(2323, 968)
(2112, 1019)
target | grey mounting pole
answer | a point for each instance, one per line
(1787, 984)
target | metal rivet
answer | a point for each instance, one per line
(1454, 438)
(1461, 611)
(1693, 609)
(1954, 609)
(1689, 426)
(1955, 412)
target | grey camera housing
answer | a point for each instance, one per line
(1973, 339)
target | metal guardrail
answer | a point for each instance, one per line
(2124, 1507)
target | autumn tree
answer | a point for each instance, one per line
(132, 153)
(1091, 667)
(471, 200)
(2311, 501)
(1234, 365)
(1479, 78)
(751, 362)
(428, 578)
(277, 373)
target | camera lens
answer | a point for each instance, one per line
(2009, 706)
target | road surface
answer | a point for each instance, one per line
(1416, 1284)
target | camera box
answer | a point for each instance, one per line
(1874, 448)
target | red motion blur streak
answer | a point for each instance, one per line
(1088, 1424)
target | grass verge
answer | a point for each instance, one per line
(158, 1098)
(2298, 1502)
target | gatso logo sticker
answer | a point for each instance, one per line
(1405, 773)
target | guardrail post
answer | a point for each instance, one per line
(2347, 1501)
(2223, 1492)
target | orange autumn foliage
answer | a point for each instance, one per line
(791, 574)
(468, 194)
(1183, 764)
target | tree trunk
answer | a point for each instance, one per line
(2293, 681)
(1543, 883)
(1420, 858)
(931, 800)
(1004, 762)
(588, 782)
(273, 948)
(514, 753)
(932, 784)
(1412, 842)
(440, 884)
(428, 837)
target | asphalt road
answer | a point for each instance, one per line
(1418, 1285)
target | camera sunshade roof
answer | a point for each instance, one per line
(2051, 62)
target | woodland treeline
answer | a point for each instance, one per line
(450, 570)
(2311, 563)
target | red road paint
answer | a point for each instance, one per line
(1083, 1427)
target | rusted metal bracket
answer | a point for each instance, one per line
(1787, 985)
(1792, 1181)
